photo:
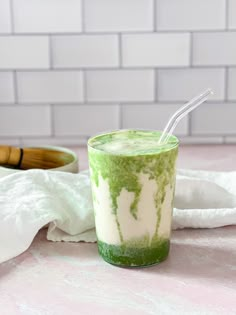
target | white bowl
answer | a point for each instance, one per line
(71, 167)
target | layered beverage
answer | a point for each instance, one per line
(133, 182)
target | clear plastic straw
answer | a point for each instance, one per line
(180, 113)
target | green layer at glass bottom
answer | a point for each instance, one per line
(126, 256)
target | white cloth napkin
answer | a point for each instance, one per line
(31, 199)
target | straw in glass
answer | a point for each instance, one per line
(180, 113)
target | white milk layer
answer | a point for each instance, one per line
(130, 228)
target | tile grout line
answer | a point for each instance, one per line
(120, 56)
(52, 120)
(15, 83)
(155, 85)
(226, 14)
(226, 81)
(85, 92)
(191, 50)
(172, 32)
(120, 116)
(82, 16)
(12, 17)
(110, 103)
(154, 16)
(214, 139)
(204, 140)
(190, 124)
(50, 52)
(136, 68)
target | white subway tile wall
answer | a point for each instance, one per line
(85, 51)
(214, 119)
(120, 85)
(49, 86)
(152, 116)
(71, 69)
(232, 14)
(24, 52)
(232, 84)
(190, 15)
(230, 140)
(27, 120)
(81, 120)
(47, 16)
(5, 16)
(7, 94)
(118, 15)
(214, 48)
(153, 50)
(183, 84)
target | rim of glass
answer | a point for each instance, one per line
(89, 144)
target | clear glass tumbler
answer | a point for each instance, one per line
(133, 183)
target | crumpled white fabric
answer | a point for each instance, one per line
(204, 199)
(32, 199)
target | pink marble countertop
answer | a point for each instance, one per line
(199, 277)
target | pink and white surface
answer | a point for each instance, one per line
(199, 277)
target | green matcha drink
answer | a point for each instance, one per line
(133, 181)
